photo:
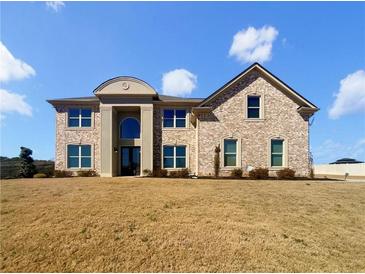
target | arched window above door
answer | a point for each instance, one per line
(130, 129)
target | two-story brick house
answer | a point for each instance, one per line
(127, 127)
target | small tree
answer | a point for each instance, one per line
(217, 151)
(27, 168)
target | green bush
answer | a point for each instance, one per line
(40, 175)
(62, 173)
(157, 172)
(181, 173)
(147, 172)
(259, 173)
(237, 173)
(285, 173)
(86, 173)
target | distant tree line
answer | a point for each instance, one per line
(24, 166)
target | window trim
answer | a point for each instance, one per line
(261, 108)
(175, 157)
(174, 118)
(120, 124)
(79, 156)
(285, 153)
(230, 153)
(79, 127)
(238, 152)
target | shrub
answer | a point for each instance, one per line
(147, 172)
(237, 173)
(217, 151)
(285, 173)
(311, 174)
(259, 173)
(157, 172)
(40, 175)
(62, 173)
(182, 173)
(86, 173)
(27, 167)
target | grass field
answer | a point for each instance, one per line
(154, 225)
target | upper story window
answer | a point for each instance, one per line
(174, 156)
(277, 153)
(230, 152)
(130, 129)
(253, 107)
(174, 118)
(78, 156)
(79, 117)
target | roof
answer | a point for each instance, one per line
(94, 99)
(299, 98)
(88, 99)
(304, 104)
(167, 98)
(346, 161)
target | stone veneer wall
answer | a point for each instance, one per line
(65, 135)
(227, 119)
(171, 137)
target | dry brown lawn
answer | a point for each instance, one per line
(154, 225)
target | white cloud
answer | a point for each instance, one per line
(351, 97)
(330, 151)
(253, 45)
(13, 102)
(12, 68)
(55, 5)
(178, 82)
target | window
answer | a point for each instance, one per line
(277, 153)
(174, 156)
(130, 129)
(253, 107)
(79, 117)
(230, 152)
(175, 118)
(79, 156)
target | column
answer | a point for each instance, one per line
(146, 137)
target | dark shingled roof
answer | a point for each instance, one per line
(163, 98)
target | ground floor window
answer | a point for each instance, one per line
(174, 156)
(277, 153)
(230, 152)
(78, 156)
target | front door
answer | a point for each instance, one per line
(130, 161)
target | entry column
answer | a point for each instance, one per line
(106, 141)
(146, 137)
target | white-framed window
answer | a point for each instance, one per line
(174, 156)
(174, 118)
(130, 128)
(253, 106)
(79, 117)
(277, 153)
(230, 152)
(78, 156)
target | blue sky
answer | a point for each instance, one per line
(69, 49)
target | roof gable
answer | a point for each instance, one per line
(275, 81)
(125, 85)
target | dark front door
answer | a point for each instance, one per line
(130, 160)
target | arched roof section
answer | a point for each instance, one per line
(125, 85)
